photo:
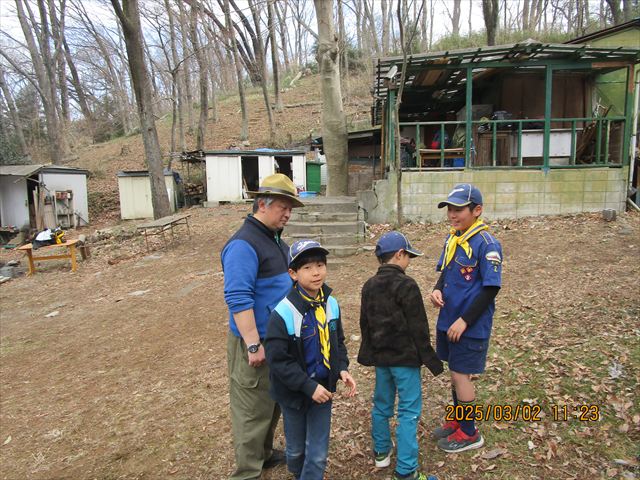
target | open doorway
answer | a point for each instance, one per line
(285, 166)
(250, 176)
(33, 193)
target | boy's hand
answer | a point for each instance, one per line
(321, 395)
(349, 382)
(456, 330)
(436, 299)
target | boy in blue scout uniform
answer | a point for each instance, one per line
(306, 356)
(395, 340)
(471, 266)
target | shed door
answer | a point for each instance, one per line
(299, 171)
(224, 179)
(265, 167)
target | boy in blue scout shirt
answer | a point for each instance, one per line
(306, 356)
(395, 340)
(471, 266)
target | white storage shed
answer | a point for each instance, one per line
(231, 173)
(43, 196)
(134, 187)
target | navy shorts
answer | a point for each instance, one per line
(467, 355)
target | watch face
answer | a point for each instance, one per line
(253, 348)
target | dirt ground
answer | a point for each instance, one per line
(128, 380)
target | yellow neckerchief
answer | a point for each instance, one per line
(323, 326)
(463, 240)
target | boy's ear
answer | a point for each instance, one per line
(293, 275)
(477, 211)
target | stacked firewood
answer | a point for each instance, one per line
(193, 188)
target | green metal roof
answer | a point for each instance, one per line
(453, 64)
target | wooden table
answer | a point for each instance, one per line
(159, 226)
(430, 157)
(70, 245)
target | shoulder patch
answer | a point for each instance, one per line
(493, 257)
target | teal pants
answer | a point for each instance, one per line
(254, 415)
(407, 384)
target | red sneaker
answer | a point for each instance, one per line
(459, 441)
(445, 430)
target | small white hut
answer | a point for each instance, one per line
(43, 196)
(134, 187)
(231, 173)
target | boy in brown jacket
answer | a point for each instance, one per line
(395, 339)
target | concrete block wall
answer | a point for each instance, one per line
(507, 193)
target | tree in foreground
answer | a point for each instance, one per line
(129, 16)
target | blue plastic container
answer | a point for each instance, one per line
(307, 194)
(458, 162)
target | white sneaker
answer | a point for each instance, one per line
(383, 459)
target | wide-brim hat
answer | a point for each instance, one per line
(280, 185)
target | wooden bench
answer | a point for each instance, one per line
(70, 245)
(159, 226)
(430, 157)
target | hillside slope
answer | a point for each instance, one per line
(300, 120)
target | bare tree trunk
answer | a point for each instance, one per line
(186, 68)
(177, 98)
(616, 13)
(470, 16)
(260, 56)
(284, 35)
(202, 70)
(627, 9)
(368, 13)
(231, 39)
(525, 15)
(490, 10)
(357, 5)
(385, 28)
(274, 56)
(13, 113)
(424, 38)
(431, 17)
(334, 124)
(455, 18)
(129, 17)
(42, 66)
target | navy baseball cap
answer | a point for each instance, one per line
(301, 246)
(462, 194)
(394, 241)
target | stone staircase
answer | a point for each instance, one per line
(336, 222)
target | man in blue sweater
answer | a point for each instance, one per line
(255, 264)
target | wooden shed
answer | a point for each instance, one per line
(231, 173)
(134, 187)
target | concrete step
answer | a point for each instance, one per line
(304, 215)
(342, 250)
(318, 228)
(327, 240)
(330, 204)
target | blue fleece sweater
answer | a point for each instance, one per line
(255, 266)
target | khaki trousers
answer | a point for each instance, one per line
(254, 415)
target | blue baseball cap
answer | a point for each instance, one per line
(462, 194)
(394, 241)
(301, 246)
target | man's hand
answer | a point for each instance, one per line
(349, 382)
(321, 395)
(436, 299)
(257, 359)
(456, 330)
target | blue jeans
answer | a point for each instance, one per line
(406, 381)
(307, 435)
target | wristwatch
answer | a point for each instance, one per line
(253, 348)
